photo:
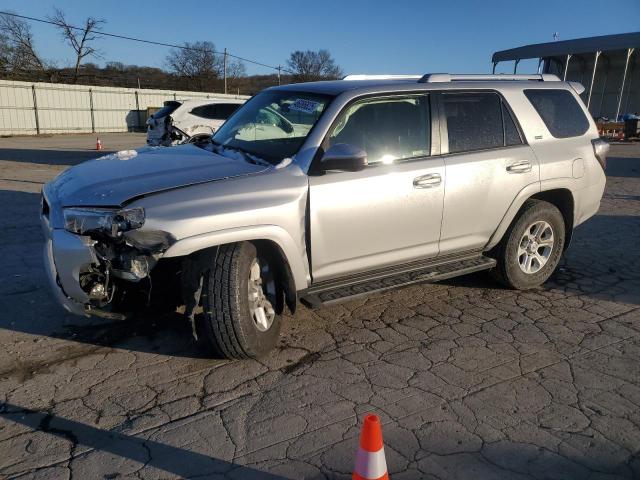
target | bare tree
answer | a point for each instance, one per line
(5, 54)
(17, 47)
(79, 39)
(201, 65)
(313, 65)
(197, 63)
(235, 68)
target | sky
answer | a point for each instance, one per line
(410, 37)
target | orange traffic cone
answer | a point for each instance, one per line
(98, 144)
(371, 463)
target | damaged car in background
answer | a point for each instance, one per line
(189, 121)
(327, 191)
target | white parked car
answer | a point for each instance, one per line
(188, 121)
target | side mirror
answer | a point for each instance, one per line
(344, 157)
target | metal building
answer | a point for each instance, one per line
(608, 66)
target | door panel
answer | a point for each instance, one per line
(383, 215)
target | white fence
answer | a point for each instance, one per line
(33, 108)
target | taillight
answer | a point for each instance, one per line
(600, 150)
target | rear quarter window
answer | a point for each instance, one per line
(559, 111)
(215, 111)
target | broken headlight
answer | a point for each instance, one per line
(110, 222)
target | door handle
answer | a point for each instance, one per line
(522, 166)
(427, 181)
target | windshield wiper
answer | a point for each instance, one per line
(248, 157)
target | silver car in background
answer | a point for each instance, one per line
(326, 191)
(188, 121)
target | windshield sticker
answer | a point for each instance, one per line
(305, 106)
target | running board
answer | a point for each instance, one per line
(433, 270)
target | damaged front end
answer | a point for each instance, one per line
(118, 279)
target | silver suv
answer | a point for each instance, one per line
(325, 191)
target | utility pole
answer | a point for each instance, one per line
(279, 68)
(225, 69)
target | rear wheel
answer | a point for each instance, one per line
(531, 248)
(239, 298)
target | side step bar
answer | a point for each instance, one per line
(433, 270)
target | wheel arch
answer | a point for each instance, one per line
(272, 251)
(562, 198)
(270, 237)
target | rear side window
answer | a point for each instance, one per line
(225, 110)
(560, 112)
(474, 121)
(216, 111)
(511, 133)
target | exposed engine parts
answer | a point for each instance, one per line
(122, 265)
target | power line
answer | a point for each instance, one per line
(142, 40)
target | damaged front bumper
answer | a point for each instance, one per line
(67, 250)
(92, 274)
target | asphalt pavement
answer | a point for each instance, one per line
(471, 381)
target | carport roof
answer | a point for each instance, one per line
(620, 41)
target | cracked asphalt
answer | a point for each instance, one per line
(470, 380)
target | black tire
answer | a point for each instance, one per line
(508, 270)
(228, 326)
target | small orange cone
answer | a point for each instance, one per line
(98, 144)
(371, 463)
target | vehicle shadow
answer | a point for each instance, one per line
(175, 460)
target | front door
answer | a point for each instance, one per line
(390, 212)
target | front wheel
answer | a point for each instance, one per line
(531, 248)
(239, 299)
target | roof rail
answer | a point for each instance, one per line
(383, 77)
(448, 77)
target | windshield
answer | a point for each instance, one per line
(272, 125)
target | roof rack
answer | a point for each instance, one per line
(448, 77)
(383, 77)
(451, 77)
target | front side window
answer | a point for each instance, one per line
(389, 129)
(272, 125)
(560, 112)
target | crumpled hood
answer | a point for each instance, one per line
(114, 179)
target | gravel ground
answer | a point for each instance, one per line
(470, 380)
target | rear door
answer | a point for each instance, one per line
(390, 212)
(487, 163)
